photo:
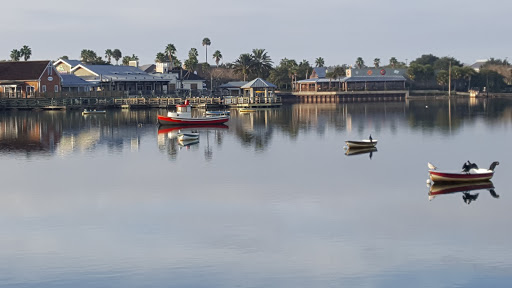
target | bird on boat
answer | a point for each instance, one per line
(431, 166)
(371, 139)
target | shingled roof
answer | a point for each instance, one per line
(23, 70)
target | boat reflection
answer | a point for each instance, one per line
(170, 143)
(172, 131)
(466, 188)
(187, 143)
(359, 151)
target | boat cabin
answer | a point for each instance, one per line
(182, 110)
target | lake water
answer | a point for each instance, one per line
(271, 200)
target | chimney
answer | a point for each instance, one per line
(162, 67)
(134, 64)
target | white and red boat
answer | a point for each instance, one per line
(468, 174)
(183, 116)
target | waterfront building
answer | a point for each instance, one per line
(24, 79)
(73, 83)
(128, 79)
(232, 88)
(366, 79)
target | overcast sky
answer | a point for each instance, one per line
(337, 30)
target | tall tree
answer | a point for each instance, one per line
(359, 62)
(425, 59)
(319, 62)
(261, 63)
(217, 56)
(442, 78)
(393, 61)
(170, 49)
(161, 57)
(206, 43)
(376, 62)
(15, 55)
(108, 55)
(303, 69)
(191, 62)
(116, 54)
(243, 64)
(25, 52)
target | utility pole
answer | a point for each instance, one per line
(450, 80)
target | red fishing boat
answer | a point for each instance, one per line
(469, 173)
(183, 116)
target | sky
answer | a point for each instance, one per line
(339, 31)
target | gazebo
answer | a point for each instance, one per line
(259, 88)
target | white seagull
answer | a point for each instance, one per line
(431, 166)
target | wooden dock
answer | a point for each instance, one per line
(130, 103)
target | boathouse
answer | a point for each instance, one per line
(128, 79)
(25, 79)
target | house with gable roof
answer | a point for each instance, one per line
(26, 78)
(64, 66)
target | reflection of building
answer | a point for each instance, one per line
(24, 133)
(26, 78)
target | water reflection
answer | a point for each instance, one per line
(169, 143)
(66, 132)
(359, 151)
(467, 189)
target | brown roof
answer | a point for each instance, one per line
(22, 70)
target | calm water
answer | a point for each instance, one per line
(269, 201)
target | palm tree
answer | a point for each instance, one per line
(170, 49)
(261, 64)
(442, 78)
(376, 62)
(359, 62)
(127, 59)
(108, 55)
(206, 43)
(25, 52)
(15, 55)
(160, 57)
(243, 64)
(193, 53)
(393, 62)
(116, 54)
(319, 62)
(217, 56)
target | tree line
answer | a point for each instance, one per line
(425, 72)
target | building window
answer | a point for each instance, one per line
(50, 71)
(44, 88)
(30, 91)
(56, 88)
